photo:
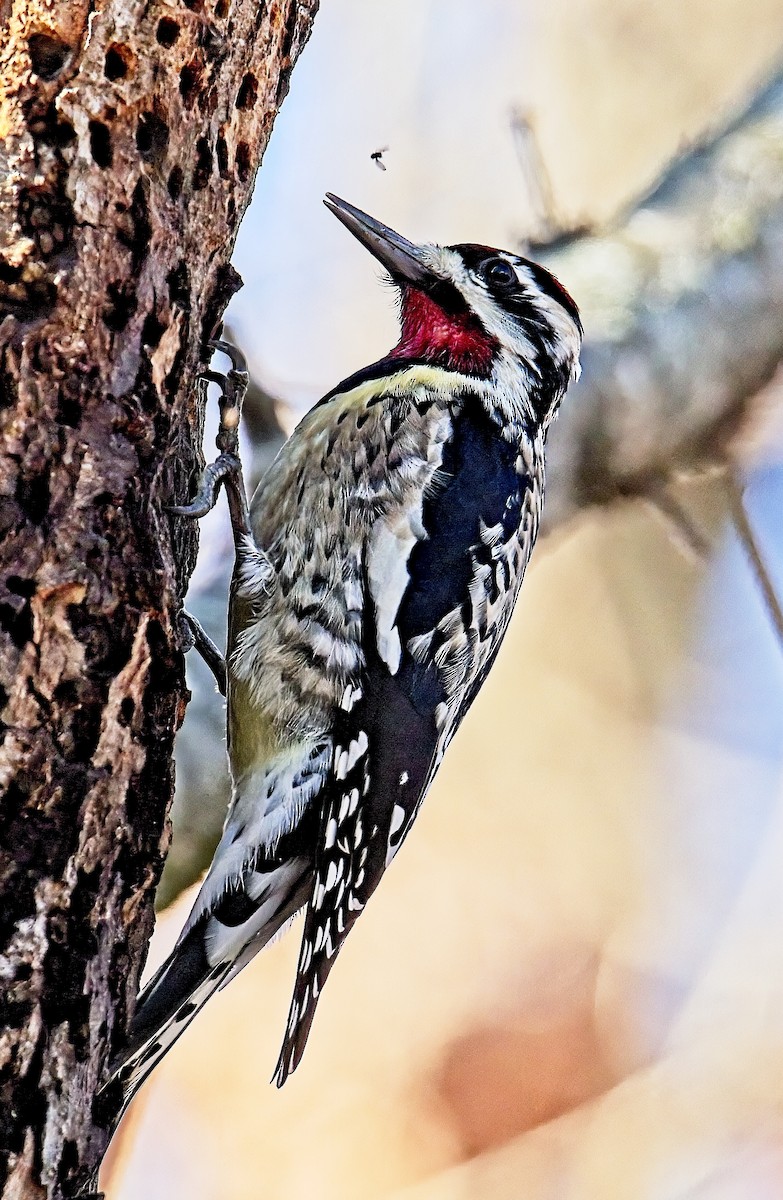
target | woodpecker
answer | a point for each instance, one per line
(376, 570)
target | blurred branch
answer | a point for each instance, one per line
(683, 528)
(682, 300)
(545, 223)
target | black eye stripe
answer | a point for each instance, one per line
(449, 297)
(475, 257)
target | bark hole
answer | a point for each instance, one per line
(175, 182)
(48, 54)
(121, 306)
(134, 229)
(152, 138)
(117, 62)
(32, 496)
(204, 163)
(248, 91)
(243, 161)
(152, 331)
(179, 285)
(167, 32)
(19, 627)
(100, 144)
(222, 156)
(190, 82)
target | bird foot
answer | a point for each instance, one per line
(214, 474)
(227, 467)
(234, 387)
(195, 636)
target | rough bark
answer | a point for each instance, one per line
(131, 135)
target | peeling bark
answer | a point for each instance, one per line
(130, 139)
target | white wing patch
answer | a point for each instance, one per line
(346, 760)
(391, 543)
(351, 696)
(225, 943)
(398, 816)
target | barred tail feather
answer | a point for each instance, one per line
(212, 950)
(166, 1006)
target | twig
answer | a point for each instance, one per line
(739, 515)
(538, 183)
(549, 228)
(684, 531)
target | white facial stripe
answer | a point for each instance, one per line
(500, 324)
(568, 335)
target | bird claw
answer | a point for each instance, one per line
(213, 475)
(194, 635)
(238, 360)
(234, 387)
(227, 468)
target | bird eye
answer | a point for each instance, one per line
(499, 273)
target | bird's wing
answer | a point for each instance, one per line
(430, 573)
(377, 783)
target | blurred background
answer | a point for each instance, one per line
(570, 985)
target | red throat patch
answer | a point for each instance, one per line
(456, 341)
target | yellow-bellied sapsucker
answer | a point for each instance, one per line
(376, 571)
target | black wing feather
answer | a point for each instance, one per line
(375, 800)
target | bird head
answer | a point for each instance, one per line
(489, 314)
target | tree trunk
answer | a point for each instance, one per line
(131, 135)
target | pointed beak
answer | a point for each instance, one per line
(403, 260)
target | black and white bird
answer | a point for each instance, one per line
(376, 572)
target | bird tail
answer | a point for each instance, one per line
(217, 942)
(165, 1008)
